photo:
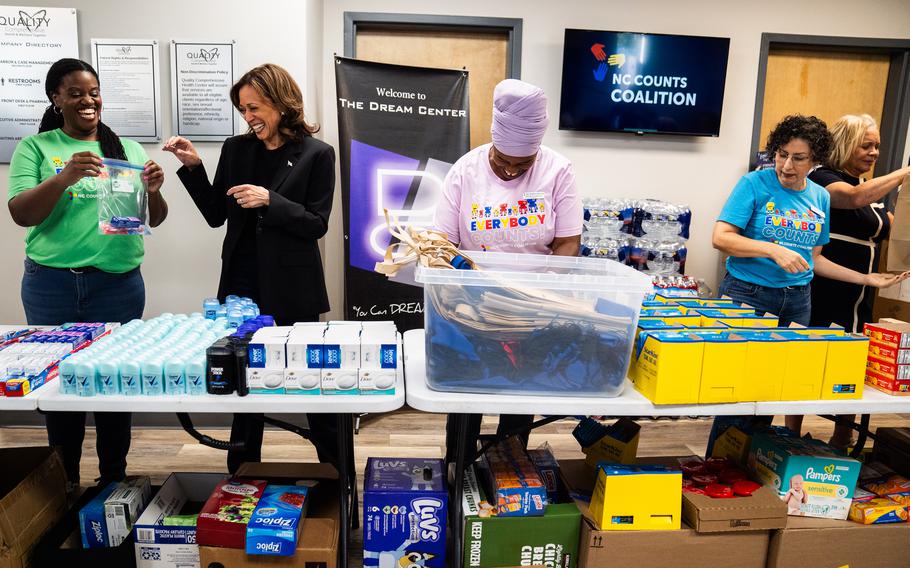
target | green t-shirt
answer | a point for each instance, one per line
(69, 237)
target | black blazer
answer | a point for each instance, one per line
(291, 279)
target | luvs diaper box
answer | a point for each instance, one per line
(404, 513)
(809, 476)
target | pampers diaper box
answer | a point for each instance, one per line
(404, 513)
(810, 477)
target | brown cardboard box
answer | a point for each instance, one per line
(892, 448)
(32, 499)
(763, 510)
(318, 544)
(826, 543)
(684, 548)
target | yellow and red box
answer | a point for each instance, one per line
(889, 332)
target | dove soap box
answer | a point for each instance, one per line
(404, 512)
(378, 359)
(341, 359)
(809, 476)
(305, 354)
(267, 348)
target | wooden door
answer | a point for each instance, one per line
(827, 84)
(483, 53)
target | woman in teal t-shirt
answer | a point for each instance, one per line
(72, 272)
(775, 223)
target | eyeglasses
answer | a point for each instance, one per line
(797, 159)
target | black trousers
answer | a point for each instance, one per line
(507, 423)
(246, 428)
(66, 430)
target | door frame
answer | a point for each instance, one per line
(896, 106)
(429, 22)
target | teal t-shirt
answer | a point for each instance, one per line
(767, 211)
(69, 237)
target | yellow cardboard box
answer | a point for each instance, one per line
(723, 367)
(765, 353)
(637, 497)
(612, 449)
(669, 366)
(765, 321)
(804, 366)
(845, 367)
(712, 317)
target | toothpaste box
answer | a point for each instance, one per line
(224, 517)
(123, 507)
(404, 513)
(273, 528)
(809, 476)
(163, 546)
(92, 524)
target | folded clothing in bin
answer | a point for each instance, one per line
(532, 324)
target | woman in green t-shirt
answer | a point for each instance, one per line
(72, 272)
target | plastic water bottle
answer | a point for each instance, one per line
(221, 313)
(174, 379)
(248, 313)
(67, 375)
(108, 378)
(85, 379)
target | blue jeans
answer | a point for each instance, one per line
(791, 304)
(53, 296)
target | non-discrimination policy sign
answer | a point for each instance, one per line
(202, 73)
(31, 40)
(400, 130)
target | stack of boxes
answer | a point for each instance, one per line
(716, 351)
(888, 363)
(340, 357)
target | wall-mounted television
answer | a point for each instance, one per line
(642, 83)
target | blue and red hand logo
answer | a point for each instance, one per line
(616, 59)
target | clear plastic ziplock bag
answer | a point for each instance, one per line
(122, 199)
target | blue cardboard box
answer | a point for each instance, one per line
(92, 524)
(404, 513)
(272, 529)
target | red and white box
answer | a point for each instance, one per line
(227, 511)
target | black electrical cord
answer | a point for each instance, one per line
(514, 432)
(205, 440)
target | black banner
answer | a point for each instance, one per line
(400, 130)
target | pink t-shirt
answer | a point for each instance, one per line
(480, 211)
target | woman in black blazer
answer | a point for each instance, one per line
(273, 186)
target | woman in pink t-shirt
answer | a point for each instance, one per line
(513, 195)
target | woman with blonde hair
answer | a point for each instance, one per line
(273, 186)
(859, 222)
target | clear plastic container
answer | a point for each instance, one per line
(531, 324)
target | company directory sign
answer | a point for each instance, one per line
(31, 40)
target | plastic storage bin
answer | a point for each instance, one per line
(531, 324)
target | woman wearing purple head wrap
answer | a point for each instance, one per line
(513, 195)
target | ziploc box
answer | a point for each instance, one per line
(160, 546)
(267, 348)
(123, 507)
(762, 379)
(637, 497)
(273, 528)
(723, 367)
(669, 366)
(378, 359)
(845, 367)
(341, 363)
(404, 513)
(223, 519)
(809, 476)
(92, 524)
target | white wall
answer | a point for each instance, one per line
(183, 256)
(183, 261)
(697, 171)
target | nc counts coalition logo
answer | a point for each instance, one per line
(621, 70)
(31, 22)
